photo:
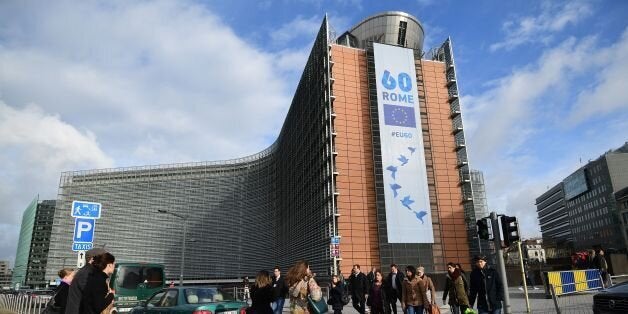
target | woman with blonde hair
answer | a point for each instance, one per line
(262, 294)
(301, 284)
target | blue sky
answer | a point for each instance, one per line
(90, 84)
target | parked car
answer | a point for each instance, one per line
(191, 300)
(611, 300)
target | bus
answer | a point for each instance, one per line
(133, 283)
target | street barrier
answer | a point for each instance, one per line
(572, 281)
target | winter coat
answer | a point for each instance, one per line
(279, 288)
(299, 292)
(398, 280)
(428, 285)
(96, 296)
(413, 293)
(75, 293)
(335, 297)
(457, 292)
(487, 287)
(261, 299)
(380, 302)
(358, 284)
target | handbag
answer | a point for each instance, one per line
(317, 307)
(434, 309)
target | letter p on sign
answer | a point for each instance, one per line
(84, 230)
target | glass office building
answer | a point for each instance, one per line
(317, 193)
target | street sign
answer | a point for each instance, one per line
(84, 230)
(80, 261)
(82, 246)
(86, 209)
(335, 240)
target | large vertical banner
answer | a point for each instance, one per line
(408, 214)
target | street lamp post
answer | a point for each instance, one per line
(185, 231)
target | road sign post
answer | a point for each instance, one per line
(85, 214)
(80, 261)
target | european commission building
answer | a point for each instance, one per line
(370, 168)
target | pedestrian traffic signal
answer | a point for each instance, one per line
(483, 229)
(510, 230)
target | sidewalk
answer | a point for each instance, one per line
(538, 302)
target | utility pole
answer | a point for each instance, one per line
(501, 266)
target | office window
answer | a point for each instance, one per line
(401, 38)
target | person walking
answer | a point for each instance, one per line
(262, 294)
(394, 284)
(529, 278)
(377, 295)
(97, 295)
(75, 292)
(279, 291)
(335, 295)
(463, 275)
(61, 293)
(370, 277)
(428, 284)
(487, 287)
(458, 300)
(358, 286)
(601, 264)
(246, 292)
(301, 283)
(413, 297)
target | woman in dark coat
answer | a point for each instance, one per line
(97, 296)
(61, 294)
(377, 295)
(262, 294)
(335, 295)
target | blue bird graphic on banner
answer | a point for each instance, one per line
(395, 187)
(420, 215)
(406, 201)
(403, 160)
(412, 149)
(393, 171)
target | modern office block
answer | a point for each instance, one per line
(370, 168)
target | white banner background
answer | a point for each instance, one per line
(408, 213)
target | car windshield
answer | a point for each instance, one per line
(129, 277)
(204, 295)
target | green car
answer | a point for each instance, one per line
(191, 300)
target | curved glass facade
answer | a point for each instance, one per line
(242, 215)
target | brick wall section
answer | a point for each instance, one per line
(450, 213)
(356, 203)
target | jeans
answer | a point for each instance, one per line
(483, 311)
(278, 305)
(410, 309)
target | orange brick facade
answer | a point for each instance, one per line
(356, 202)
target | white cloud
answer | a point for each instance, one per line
(154, 82)
(609, 93)
(298, 27)
(517, 130)
(35, 147)
(553, 18)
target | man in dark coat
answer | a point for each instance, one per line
(279, 291)
(75, 294)
(358, 286)
(487, 287)
(393, 284)
(370, 277)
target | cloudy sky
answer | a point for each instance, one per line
(100, 84)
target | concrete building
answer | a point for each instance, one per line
(33, 244)
(582, 211)
(371, 156)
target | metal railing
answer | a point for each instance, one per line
(23, 303)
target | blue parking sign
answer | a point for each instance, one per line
(86, 209)
(84, 230)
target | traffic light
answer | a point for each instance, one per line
(483, 229)
(510, 230)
